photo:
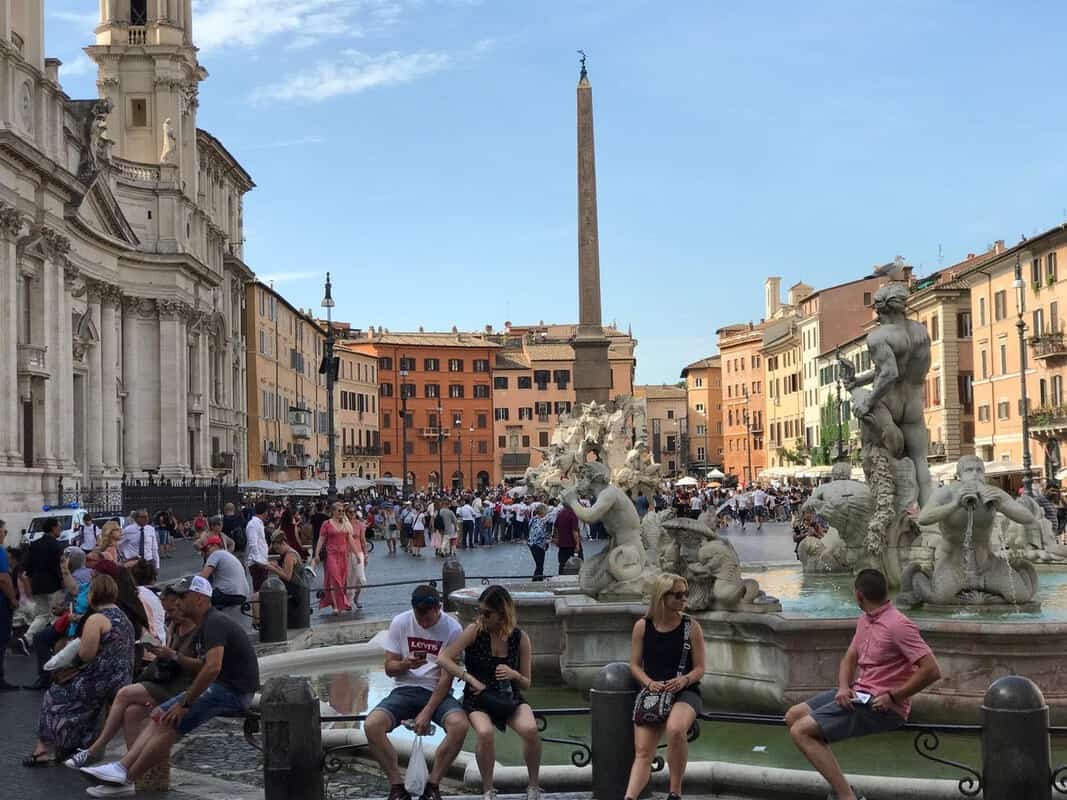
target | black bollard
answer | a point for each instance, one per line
(1016, 757)
(292, 741)
(273, 603)
(611, 705)
(453, 578)
(299, 604)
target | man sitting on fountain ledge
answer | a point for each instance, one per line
(423, 691)
(894, 664)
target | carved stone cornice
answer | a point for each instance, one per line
(11, 221)
(144, 307)
(53, 244)
(173, 309)
(71, 273)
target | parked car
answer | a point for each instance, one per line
(71, 521)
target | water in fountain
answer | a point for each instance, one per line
(970, 564)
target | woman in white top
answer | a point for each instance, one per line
(418, 532)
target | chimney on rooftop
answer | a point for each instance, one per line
(998, 246)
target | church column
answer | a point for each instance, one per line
(10, 226)
(133, 416)
(94, 406)
(172, 389)
(109, 358)
(68, 274)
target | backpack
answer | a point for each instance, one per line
(240, 540)
(439, 522)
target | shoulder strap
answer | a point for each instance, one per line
(686, 645)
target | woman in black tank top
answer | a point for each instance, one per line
(656, 649)
(498, 658)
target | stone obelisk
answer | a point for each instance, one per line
(592, 369)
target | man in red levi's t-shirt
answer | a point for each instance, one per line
(886, 664)
(423, 691)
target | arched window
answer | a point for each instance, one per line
(483, 480)
(138, 12)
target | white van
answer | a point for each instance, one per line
(71, 521)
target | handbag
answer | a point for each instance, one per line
(497, 705)
(653, 708)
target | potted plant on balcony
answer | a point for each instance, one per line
(1036, 286)
(1050, 280)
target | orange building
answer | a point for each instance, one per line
(996, 390)
(743, 401)
(446, 381)
(703, 385)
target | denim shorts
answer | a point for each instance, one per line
(216, 700)
(405, 702)
(837, 723)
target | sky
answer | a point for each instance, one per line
(423, 151)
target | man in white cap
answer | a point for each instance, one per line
(225, 684)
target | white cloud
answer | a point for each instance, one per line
(250, 23)
(282, 277)
(81, 64)
(353, 73)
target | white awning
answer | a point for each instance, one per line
(997, 468)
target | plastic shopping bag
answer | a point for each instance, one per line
(417, 773)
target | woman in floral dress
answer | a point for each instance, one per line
(76, 699)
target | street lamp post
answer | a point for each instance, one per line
(840, 422)
(470, 462)
(331, 376)
(403, 427)
(459, 456)
(1020, 324)
(748, 435)
(440, 448)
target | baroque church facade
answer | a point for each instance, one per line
(122, 279)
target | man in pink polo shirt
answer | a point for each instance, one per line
(893, 663)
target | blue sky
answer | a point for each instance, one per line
(423, 150)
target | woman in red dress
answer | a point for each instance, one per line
(336, 536)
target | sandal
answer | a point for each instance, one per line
(37, 760)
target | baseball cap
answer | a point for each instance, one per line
(211, 540)
(193, 583)
(425, 596)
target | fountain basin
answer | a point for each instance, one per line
(767, 662)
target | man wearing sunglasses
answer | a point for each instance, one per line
(423, 691)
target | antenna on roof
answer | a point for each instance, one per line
(940, 257)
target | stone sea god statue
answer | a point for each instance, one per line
(710, 564)
(1035, 541)
(621, 569)
(888, 402)
(966, 570)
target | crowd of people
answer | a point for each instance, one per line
(113, 655)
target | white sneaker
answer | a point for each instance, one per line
(534, 793)
(108, 773)
(105, 790)
(78, 760)
(490, 795)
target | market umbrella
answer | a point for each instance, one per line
(688, 480)
(716, 474)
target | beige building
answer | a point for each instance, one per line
(121, 271)
(533, 384)
(356, 416)
(287, 427)
(703, 385)
(669, 425)
(785, 397)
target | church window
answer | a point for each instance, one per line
(138, 12)
(138, 112)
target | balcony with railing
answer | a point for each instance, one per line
(1048, 419)
(145, 173)
(433, 433)
(1049, 345)
(222, 461)
(138, 34)
(32, 362)
(300, 422)
(515, 460)
(272, 459)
